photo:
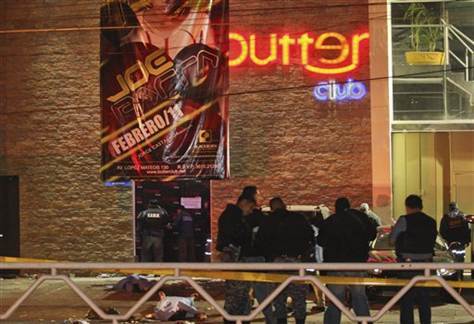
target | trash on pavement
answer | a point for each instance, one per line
(173, 308)
(134, 284)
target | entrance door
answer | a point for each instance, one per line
(9, 217)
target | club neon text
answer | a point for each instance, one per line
(332, 91)
(280, 49)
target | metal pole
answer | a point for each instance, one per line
(445, 73)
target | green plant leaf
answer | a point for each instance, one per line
(425, 38)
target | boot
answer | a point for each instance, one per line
(282, 321)
(300, 320)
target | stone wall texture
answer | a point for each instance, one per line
(281, 140)
(49, 133)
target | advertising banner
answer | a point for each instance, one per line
(164, 78)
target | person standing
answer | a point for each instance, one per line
(345, 237)
(322, 213)
(414, 236)
(202, 228)
(234, 241)
(255, 218)
(454, 229)
(184, 225)
(365, 208)
(287, 237)
(151, 225)
(260, 289)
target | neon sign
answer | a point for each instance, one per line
(312, 51)
(333, 91)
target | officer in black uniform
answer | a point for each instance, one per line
(454, 229)
(152, 223)
(234, 241)
(414, 236)
(287, 237)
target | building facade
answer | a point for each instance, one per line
(298, 129)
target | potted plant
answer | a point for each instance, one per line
(423, 39)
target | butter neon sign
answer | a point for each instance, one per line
(332, 91)
(281, 49)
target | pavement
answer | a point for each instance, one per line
(54, 302)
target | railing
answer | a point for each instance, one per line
(467, 44)
(179, 268)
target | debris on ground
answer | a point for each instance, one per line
(134, 284)
(75, 321)
(107, 275)
(92, 315)
(174, 308)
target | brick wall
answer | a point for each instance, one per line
(49, 134)
(284, 141)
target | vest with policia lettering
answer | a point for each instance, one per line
(420, 235)
(153, 221)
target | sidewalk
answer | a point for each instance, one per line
(54, 302)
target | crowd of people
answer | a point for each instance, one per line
(246, 234)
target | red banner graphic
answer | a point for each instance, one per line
(164, 76)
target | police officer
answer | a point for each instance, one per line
(414, 236)
(287, 237)
(260, 289)
(344, 237)
(184, 225)
(454, 229)
(234, 241)
(152, 223)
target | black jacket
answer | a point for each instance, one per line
(419, 236)
(455, 229)
(345, 237)
(234, 230)
(284, 233)
(152, 222)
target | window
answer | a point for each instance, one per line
(432, 55)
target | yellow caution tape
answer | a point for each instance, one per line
(23, 260)
(265, 277)
(278, 278)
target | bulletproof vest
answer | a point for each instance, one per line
(420, 235)
(154, 221)
(455, 223)
(458, 229)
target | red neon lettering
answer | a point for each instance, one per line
(343, 47)
(286, 41)
(311, 51)
(273, 50)
(244, 49)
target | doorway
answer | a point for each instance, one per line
(439, 166)
(194, 198)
